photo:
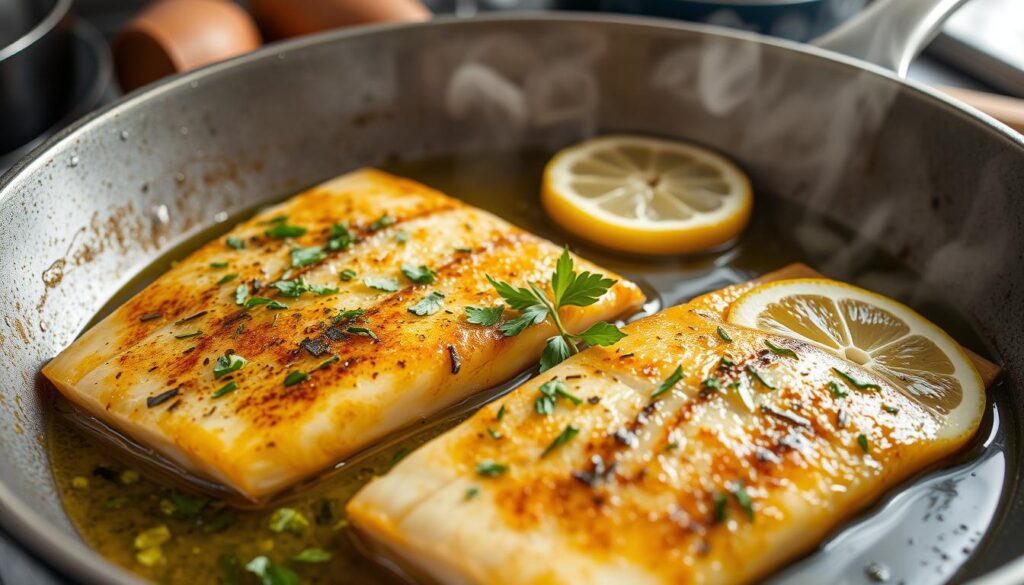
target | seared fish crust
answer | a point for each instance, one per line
(258, 385)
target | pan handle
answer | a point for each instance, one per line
(890, 33)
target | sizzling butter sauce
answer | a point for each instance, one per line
(924, 533)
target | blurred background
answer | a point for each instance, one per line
(60, 59)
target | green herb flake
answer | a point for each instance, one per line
(501, 413)
(463, 249)
(725, 362)
(235, 243)
(381, 283)
(744, 500)
(241, 294)
(485, 316)
(270, 303)
(116, 503)
(725, 336)
(340, 238)
(364, 332)
(781, 351)
(757, 376)
(488, 468)
(346, 315)
(712, 383)
(493, 433)
(227, 278)
(195, 333)
(472, 492)
(719, 500)
(218, 264)
(419, 274)
(890, 409)
(295, 377)
(862, 440)
(226, 389)
(837, 390)
(282, 231)
(186, 506)
(302, 257)
(564, 437)
(325, 363)
(669, 382)
(347, 274)
(311, 555)
(402, 236)
(271, 573)
(381, 223)
(227, 364)
(856, 383)
(288, 520)
(428, 305)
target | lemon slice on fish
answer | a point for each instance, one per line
(886, 338)
(647, 195)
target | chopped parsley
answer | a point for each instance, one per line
(720, 501)
(347, 274)
(226, 389)
(501, 413)
(381, 223)
(777, 350)
(340, 238)
(493, 433)
(297, 287)
(837, 390)
(288, 520)
(402, 236)
(235, 243)
(725, 362)
(305, 256)
(347, 315)
(862, 440)
(757, 376)
(227, 278)
(364, 332)
(725, 336)
(564, 437)
(712, 383)
(428, 305)
(241, 294)
(550, 392)
(472, 492)
(744, 500)
(381, 283)
(669, 382)
(856, 383)
(488, 468)
(271, 573)
(227, 364)
(890, 409)
(485, 316)
(419, 274)
(269, 302)
(281, 230)
(295, 377)
(311, 555)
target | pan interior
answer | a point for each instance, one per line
(925, 531)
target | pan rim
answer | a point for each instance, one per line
(61, 9)
(68, 554)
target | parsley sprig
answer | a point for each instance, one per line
(569, 289)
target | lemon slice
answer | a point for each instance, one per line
(646, 195)
(876, 333)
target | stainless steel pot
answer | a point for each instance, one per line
(932, 182)
(36, 68)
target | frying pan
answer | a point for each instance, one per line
(935, 184)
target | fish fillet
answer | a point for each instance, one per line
(720, 480)
(314, 389)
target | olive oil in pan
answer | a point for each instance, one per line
(923, 533)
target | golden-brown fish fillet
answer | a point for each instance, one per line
(720, 480)
(149, 368)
